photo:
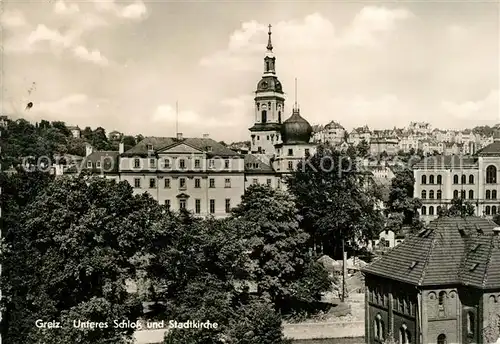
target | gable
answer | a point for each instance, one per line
(180, 148)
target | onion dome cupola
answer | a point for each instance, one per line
(269, 81)
(296, 129)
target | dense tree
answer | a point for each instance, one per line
(335, 201)
(282, 267)
(363, 149)
(128, 142)
(401, 200)
(69, 257)
(459, 207)
(483, 130)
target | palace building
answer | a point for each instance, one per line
(201, 174)
(439, 286)
(440, 179)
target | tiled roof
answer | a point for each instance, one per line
(159, 143)
(255, 165)
(493, 149)
(446, 162)
(452, 250)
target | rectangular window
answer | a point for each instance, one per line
(152, 183)
(166, 163)
(226, 163)
(89, 164)
(197, 163)
(182, 204)
(228, 205)
(98, 164)
(152, 162)
(197, 183)
(290, 165)
(290, 152)
(212, 206)
(137, 163)
(149, 147)
(269, 181)
(137, 182)
(182, 164)
(167, 183)
(227, 183)
(212, 183)
(167, 203)
(255, 181)
(197, 206)
(307, 151)
(182, 183)
(211, 163)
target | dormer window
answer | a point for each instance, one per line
(89, 164)
(149, 147)
(98, 164)
(209, 148)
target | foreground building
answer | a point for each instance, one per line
(439, 286)
(439, 179)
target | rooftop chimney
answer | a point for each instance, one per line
(121, 148)
(496, 230)
(179, 136)
(206, 136)
(88, 149)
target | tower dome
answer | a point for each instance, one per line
(296, 129)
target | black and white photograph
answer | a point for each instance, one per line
(249, 172)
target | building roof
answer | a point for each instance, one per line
(493, 149)
(450, 251)
(296, 129)
(442, 162)
(265, 127)
(254, 165)
(208, 145)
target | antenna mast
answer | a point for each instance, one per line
(176, 118)
(295, 105)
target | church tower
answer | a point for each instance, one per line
(269, 107)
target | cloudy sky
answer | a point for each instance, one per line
(123, 65)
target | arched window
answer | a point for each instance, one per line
(379, 327)
(470, 323)
(439, 179)
(424, 210)
(439, 194)
(462, 194)
(488, 210)
(471, 194)
(455, 194)
(491, 174)
(424, 194)
(455, 179)
(431, 179)
(471, 179)
(441, 298)
(431, 210)
(494, 194)
(488, 194)
(264, 116)
(464, 179)
(494, 210)
(431, 194)
(441, 339)
(424, 179)
(404, 335)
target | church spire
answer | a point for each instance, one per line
(269, 43)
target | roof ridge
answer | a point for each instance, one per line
(488, 261)
(426, 261)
